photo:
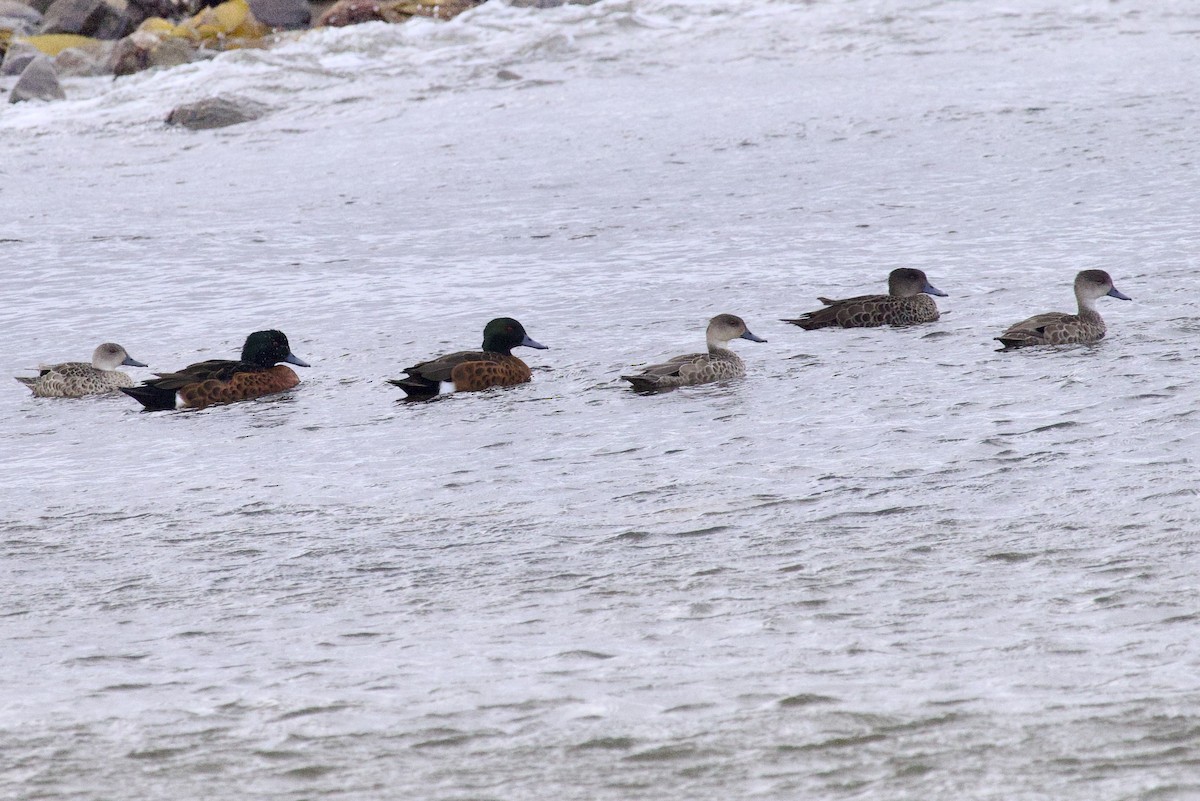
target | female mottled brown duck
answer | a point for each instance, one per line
(1060, 328)
(906, 303)
(718, 364)
(76, 379)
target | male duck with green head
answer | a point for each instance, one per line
(257, 373)
(473, 370)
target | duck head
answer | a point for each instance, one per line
(725, 327)
(110, 356)
(1092, 284)
(504, 333)
(268, 348)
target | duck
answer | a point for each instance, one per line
(258, 372)
(76, 379)
(906, 303)
(1060, 328)
(473, 370)
(690, 369)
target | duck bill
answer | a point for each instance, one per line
(292, 358)
(533, 343)
(132, 362)
(930, 289)
(751, 337)
(1116, 293)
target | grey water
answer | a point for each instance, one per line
(888, 564)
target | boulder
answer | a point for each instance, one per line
(102, 19)
(17, 58)
(160, 43)
(153, 45)
(54, 43)
(18, 18)
(227, 25)
(169, 9)
(216, 112)
(90, 60)
(352, 12)
(282, 14)
(38, 81)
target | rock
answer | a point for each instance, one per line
(216, 112)
(54, 43)
(102, 19)
(174, 52)
(352, 12)
(282, 14)
(217, 26)
(18, 18)
(16, 8)
(159, 43)
(549, 3)
(154, 45)
(168, 9)
(17, 58)
(87, 61)
(38, 81)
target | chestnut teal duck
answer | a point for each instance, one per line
(258, 372)
(473, 370)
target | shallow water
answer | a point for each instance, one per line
(887, 564)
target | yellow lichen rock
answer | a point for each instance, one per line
(230, 20)
(158, 25)
(54, 43)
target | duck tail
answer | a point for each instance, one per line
(813, 320)
(416, 389)
(154, 399)
(1010, 343)
(641, 383)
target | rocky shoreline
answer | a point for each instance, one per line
(41, 40)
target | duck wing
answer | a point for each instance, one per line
(424, 380)
(218, 369)
(1035, 330)
(845, 313)
(439, 369)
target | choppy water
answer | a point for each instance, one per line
(888, 564)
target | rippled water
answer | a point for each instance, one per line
(888, 564)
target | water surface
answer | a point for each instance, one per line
(887, 564)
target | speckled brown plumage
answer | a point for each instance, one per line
(495, 371)
(224, 380)
(76, 379)
(1060, 328)
(907, 303)
(718, 364)
(468, 371)
(240, 386)
(473, 370)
